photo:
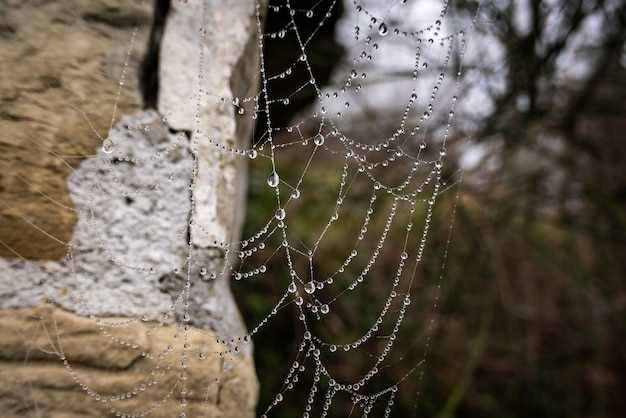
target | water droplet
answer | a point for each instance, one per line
(252, 154)
(107, 146)
(280, 214)
(273, 180)
(309, 287)
(295, 194)
(292, 287)
(324, 309)
(383, 30)
(319, 140)
(309, 13)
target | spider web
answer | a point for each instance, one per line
(399, 170)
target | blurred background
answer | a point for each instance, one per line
(532, 307)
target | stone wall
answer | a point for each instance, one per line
(37, 383)
(59, 60)
(61, 194)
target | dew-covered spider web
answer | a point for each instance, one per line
(396, 169)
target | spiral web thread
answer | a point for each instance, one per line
(402, 172)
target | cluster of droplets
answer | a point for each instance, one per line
(312, 286)
(362, 161)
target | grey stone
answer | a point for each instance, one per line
(130, 245)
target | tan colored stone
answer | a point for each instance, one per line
(58, 58)
(34, 381)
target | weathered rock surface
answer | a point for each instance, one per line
(224, 66)
(139, 361)
(60, 59)
(125, 213)
(133, 210)
(129, 248)
(229, 63)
